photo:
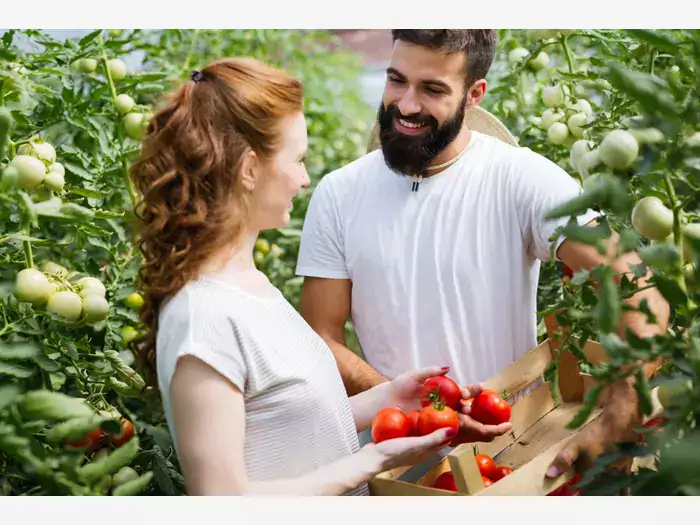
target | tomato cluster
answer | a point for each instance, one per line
(440, 399)
(95, 438)
(489, 470)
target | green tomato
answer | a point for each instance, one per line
(516, 55)
(66, 304)
(541, 61)
(578, 149)
(557, 133)
(86, 65)
(9, 177)
(30, 171)
(57, 166)
(575, 122)
(647, 135)
(549, 117)
(117, 69)
(32, 286)
(581, 106)
(54, 180)
(133, 124)
(128, 334)
(619, 149)
(124, 475)
(40, 149)
(95, 308)
(52, 268)
(134, 301)
(588, 161)
(591, 182)
(652, 219)
(91, 286)
(124, 103)
(258, 257)
(553, 96)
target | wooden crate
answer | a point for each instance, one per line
(539, 430)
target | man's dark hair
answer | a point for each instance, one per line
(479, 46)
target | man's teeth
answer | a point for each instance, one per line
(410, 124)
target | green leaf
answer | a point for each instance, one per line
(642, 387)
(586, 234)
(670, 289)
(581, 417)
(609, 305)
(629, 240)
(650, 91)
(87, 39)
(13, 370)
(83, 192)
(77, 170)
(613, 345)
(19, 351)
(8, 393)
(663, 256)
(45, 404)
(656, 39)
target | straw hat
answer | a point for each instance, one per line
(476, 118)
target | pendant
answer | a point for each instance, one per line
(416, 181)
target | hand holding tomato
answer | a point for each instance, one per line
(407, 389)
(470, 429)
(405, 451)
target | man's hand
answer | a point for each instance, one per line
(472, 431)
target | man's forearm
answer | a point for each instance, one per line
(357, 374)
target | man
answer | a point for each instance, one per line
(432, 244)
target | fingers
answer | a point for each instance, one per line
(439, 438)
(470, 391)
(481, 432)
(423, 374)
(564, 460)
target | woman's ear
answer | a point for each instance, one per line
(249, 170)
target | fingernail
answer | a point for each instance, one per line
(445, 368)
(553, 472)
(451, 433)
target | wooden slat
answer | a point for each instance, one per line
(547, 432)
(525, 413)
(523, 371)
(388, 487)
(465, 471)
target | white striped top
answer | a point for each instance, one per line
(298, 415)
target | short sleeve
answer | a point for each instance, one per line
(542, 185)
(192, 327)
(321, 250)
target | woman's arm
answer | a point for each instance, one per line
(209, 413)
(366, 404)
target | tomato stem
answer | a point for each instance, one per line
(567, 53)
(677, 217)
(27, 244)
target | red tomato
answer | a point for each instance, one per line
(565, 489)
(487, 481)
(413, 422)
(568, 271)
(432, 418)
(654, 422)
(127, 432)
(502, 472)
(443, 389)
(389, 423)
(490, 408)
(90, 442)
(446, 481)
(487, 466)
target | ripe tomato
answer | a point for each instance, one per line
(487, 466)
(652, 219)
(654, 422)
(413, 422)
(487, 481)
(490, 408)
(443, 389)
(566, 489)
(389, 423)
(619, 149)
(502, 472)
(568, 271)
(446, 481)
(435, 417)
(127, 432)
(90, 442)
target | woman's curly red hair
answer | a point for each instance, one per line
(191, 200)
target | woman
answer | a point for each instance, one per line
(252, 394)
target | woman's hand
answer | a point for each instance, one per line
(400, 452)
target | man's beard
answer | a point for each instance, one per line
(411, 155)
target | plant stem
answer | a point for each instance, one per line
(567, 54)
(27, 244)
(677, 216)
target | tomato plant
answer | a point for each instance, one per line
(72, 114)
(443, 389)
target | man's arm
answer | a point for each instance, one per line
(325, 305)
(620, 402)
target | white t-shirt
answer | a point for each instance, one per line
(297, 412)
(446, 275)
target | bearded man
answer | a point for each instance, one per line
(433, 243)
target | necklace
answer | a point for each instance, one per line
(418, 178)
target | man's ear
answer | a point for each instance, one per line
(476, 93)
(249, 169)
